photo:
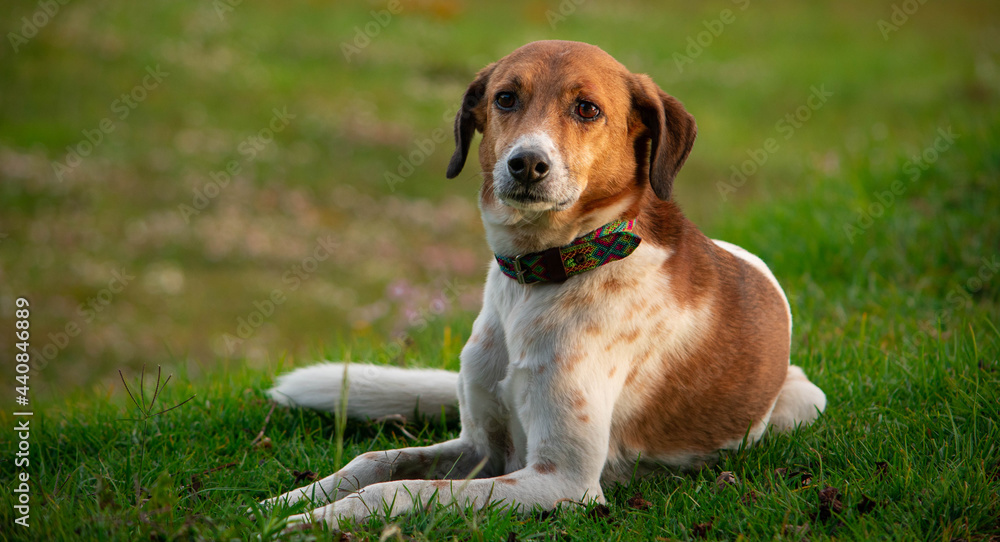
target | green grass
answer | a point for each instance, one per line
(897, 321)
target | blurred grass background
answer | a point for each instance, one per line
(412, 252)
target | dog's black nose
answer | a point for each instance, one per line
(528, 167)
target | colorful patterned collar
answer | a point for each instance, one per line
(606, 244)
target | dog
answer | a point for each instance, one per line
(614, 336)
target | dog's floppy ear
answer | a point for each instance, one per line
(468, 120)
(671, 130)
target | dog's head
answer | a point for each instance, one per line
(570, 137)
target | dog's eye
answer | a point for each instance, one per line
(587, 110)
(506, 100)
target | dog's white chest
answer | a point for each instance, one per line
(525, 316)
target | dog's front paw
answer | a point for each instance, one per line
(264, 507)
(324, 514)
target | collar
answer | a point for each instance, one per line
(606, 244)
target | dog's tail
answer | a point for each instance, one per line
(373, 391)
(799, 403)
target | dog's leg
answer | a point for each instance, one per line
(526, 487)
(567, 425)
(452, 459)
(799, 402)
(484, 357)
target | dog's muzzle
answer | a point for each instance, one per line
(532, 176)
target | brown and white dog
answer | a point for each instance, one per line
(664, 357)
